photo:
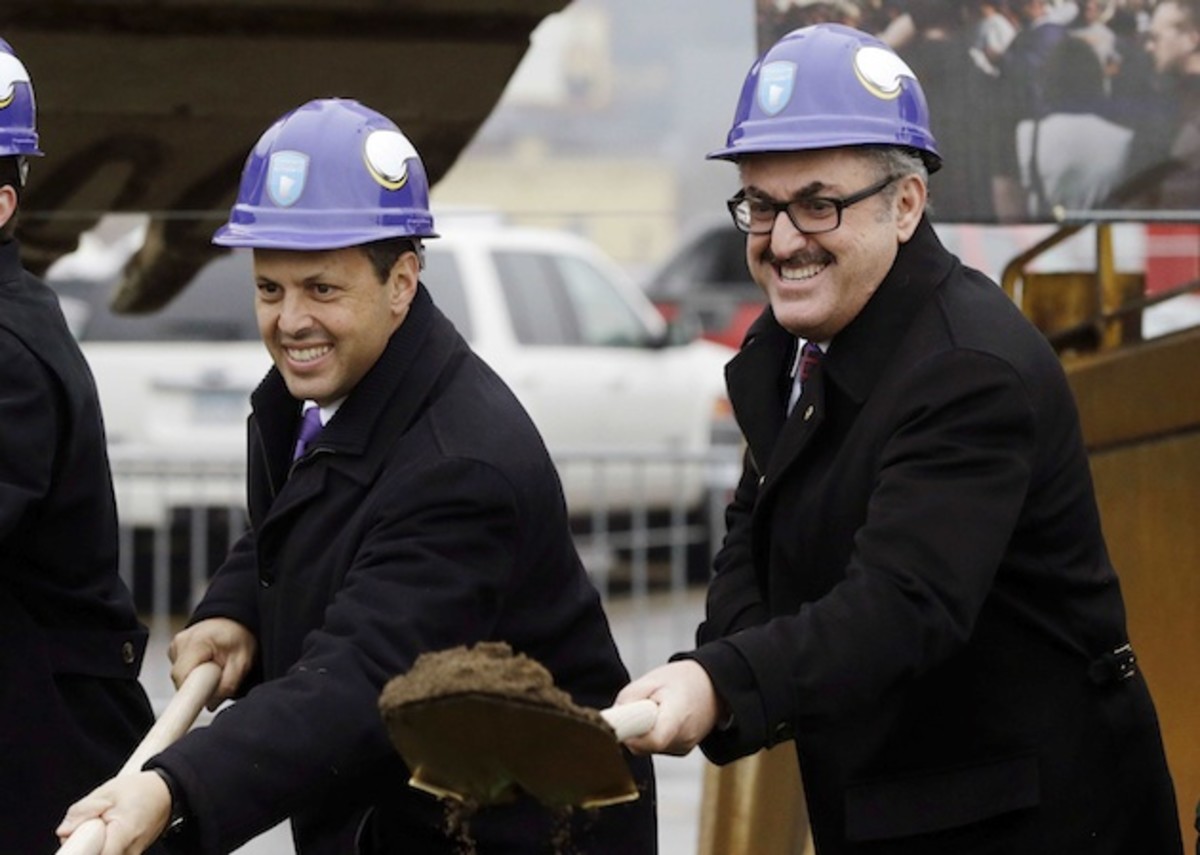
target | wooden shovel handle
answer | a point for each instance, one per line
(88, 839)
(630, 720)
(181, 712)
(179, 715)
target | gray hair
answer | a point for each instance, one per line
(898, 161)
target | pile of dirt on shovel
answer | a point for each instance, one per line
(488, 668)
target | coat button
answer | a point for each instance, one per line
(127, 653)
(808, 413)
(265, 581)
(762, 479)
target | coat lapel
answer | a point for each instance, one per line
(800, 427)
(753, 379)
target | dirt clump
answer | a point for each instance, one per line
(487, 668)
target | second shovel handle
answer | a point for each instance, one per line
(181, 712)
(630, 720)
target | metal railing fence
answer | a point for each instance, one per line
(179, 517)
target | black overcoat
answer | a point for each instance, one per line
(915, 588)
(426, 515)
(71, 707)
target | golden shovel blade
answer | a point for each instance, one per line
(483, 749)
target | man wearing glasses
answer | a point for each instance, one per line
(915, 587)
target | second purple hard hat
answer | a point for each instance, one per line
(828, 86)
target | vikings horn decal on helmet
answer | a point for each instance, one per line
(18, 112)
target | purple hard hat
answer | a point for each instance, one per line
(829, 86)
(330, 174)
(18, 114)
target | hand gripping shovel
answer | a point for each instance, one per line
(480, 724)
(181, 712)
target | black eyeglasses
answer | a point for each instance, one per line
(812, 215)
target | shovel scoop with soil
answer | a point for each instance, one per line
(480, 724)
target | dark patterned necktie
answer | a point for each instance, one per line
(810, 355)
(310, 426)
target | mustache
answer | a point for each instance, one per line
(815, 255)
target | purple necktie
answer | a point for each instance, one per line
(310, 426)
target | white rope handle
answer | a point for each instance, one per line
(177, 718)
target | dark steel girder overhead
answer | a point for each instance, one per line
(152, 105)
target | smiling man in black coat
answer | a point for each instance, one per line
(915, 587)
(425, 514)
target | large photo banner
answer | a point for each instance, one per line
(1042, 109)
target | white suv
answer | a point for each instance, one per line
(579, 343)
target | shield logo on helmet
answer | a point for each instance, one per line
(287, 172)
(775, 83)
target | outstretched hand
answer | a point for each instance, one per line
(688, 707)
(134, 808)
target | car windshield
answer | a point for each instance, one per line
(561, 300)
(217, 306)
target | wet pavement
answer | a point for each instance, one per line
(648, 630)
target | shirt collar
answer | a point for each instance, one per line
(327, 412)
